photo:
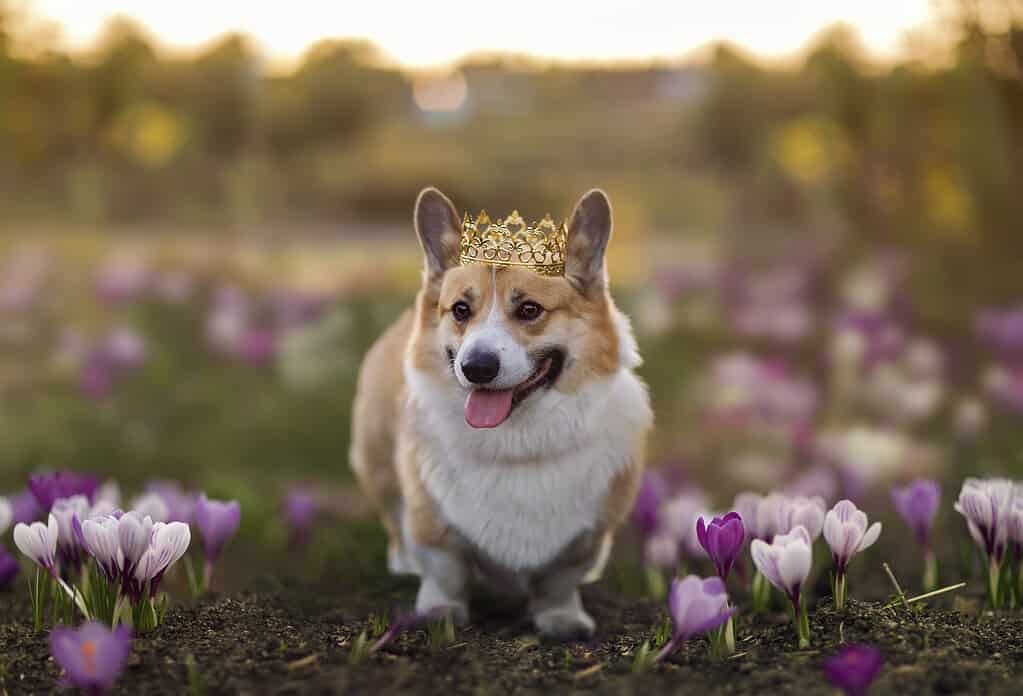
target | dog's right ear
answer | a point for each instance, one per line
(439, 229)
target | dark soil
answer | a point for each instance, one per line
(291, 641)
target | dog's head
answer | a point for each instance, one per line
(505, 337)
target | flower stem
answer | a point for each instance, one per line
(994, 573)
(802, 621)
(654, 582)
(930, 580)
(839, 589)
(760, 593)
(668, 649)
(730, 636)
(35, 589)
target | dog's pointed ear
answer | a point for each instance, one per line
(588, 235)
(439, 230)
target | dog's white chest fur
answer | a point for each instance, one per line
(522, 492)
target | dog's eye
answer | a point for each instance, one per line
(460, 311)
(528, 311)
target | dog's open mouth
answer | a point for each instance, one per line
(488, 408)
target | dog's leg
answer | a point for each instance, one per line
(443, 585)
(556, 606)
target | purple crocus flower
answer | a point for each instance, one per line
(1003, 331)
(697, 606)
(987, 506)
(854, 668)
(47, 488)
(92, 656)
(917, 504)
(403, 622)
(69, 548)
(9, 568)
(257, 346)
(180, 503)
(300, 507)
(646, 512)
(722, 539)
(24, 507)
(96, 379)
(217, 521)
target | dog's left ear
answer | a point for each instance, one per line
(588, 235)
(439, 231)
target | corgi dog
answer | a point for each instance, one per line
(499, 427)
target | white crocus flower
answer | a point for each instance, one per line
(38, 541)
(847, 532)
(134, 534)
(801, 510)
(102, 542)
(151, 505)
(169, 543)
(786, 561)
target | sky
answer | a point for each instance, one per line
(437, 32)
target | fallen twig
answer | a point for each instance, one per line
(898, 588)
(928, 595)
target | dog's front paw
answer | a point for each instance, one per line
(432, 600)
(565, 623)
(399, 562)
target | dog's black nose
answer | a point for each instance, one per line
(480, 367)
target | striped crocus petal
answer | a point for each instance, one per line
(38, 541)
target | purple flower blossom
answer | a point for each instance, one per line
(217, 522)
(300, 508)
(47, 488)
(180, 503)
(722, 539)
(697, 606)
(817, 482)
(986, 504)
(96, 379)
(92, 656)
(403, 622)
(66, 510)
(808, 512)
(678, 520)
(854, 668)
(24, 507)
(917, 504)
(9, 568)
(257, 346)
(1003, 332)
(646, 511)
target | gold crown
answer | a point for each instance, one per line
(510, 242)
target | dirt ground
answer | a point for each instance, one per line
(298, 641)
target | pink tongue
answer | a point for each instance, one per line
(488, 408)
